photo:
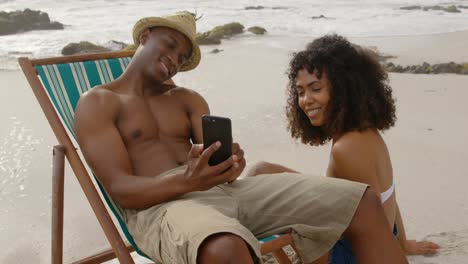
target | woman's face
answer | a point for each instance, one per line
(313, 95)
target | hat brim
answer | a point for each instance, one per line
(150, 22)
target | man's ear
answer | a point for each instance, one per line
(144, 36)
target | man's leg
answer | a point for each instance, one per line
(201, 227)
(224, 248)
(369, 234)
(319, 211)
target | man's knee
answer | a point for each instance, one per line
(221, 248)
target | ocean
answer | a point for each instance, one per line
(100, 21)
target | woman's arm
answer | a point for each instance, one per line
(263, 167)
(413, 247)
(401, 228)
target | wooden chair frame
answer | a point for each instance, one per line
(119, 249)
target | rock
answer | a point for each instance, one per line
(27, 20)
(450, 67)
(452, 9)
(254, 7)
(257, 30)
(263, 7)
(216, 51)
(215, 35)
(82, 47)
(424, 68)
(227, 30)
(462, 6)
(399, 68)
(389, 67)
(464, 69)
(412, 7)
(436, 7)
(319, 17)
(206, 39)
(116, 45)
(393, 68)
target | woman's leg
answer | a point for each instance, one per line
(264, 167)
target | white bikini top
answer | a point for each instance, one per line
(385, 195)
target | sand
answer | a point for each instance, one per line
(246, 82)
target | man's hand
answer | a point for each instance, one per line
(413, 247)
(200, 176)
(237, 151)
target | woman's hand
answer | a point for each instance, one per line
(413, 247)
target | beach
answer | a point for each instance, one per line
(246, 81)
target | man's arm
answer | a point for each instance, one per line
(105, 152)
(199, 107)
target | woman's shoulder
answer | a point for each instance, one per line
(355, 141)
(353, 157)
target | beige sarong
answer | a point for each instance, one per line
(316, 210)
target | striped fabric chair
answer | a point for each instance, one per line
(57, 84)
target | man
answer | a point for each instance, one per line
(136, 134)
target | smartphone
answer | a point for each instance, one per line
(216, 128)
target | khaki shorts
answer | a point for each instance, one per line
(316, 210)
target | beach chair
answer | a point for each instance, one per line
(57, 84)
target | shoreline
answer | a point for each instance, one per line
(408, 49)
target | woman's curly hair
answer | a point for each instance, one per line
(360, 96)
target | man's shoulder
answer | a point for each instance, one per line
(98, 95)
(98, 99)
(187, 96)
(182, 91)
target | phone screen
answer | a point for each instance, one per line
(216, 128)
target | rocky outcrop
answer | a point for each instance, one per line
(215, 35)
(412, 7)
(228, 30)
(450, 9)
(264, 7)
(83, 47)
(426, 68)
(216, 51)
(319, 17)
(207, 39)
(116, 45)
(27, 20)
(257, 30)
(254, 7)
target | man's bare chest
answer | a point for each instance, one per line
(160, 119)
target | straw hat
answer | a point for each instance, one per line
(184, 22)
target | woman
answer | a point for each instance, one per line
(339, 92)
